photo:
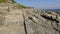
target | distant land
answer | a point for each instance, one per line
(52, 10)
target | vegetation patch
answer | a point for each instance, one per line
(13, 1)
(7, 1)
(21, 6)
(2, 0)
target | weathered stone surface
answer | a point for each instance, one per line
(27, 21)
(40, 24)
(12, 23)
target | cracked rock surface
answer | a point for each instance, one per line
(27, 21)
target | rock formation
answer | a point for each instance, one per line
(15, 20)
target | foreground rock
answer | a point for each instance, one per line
(27, 21)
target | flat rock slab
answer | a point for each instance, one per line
(13, 23)
(12, 30)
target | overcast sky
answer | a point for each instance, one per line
(41, 3)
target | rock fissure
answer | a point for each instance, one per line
(31, 19)
(24, 25)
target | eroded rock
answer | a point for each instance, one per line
(27, 21)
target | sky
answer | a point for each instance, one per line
(42, 4)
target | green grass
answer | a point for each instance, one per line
(6, 0)
(2, 0)
(21, 6)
